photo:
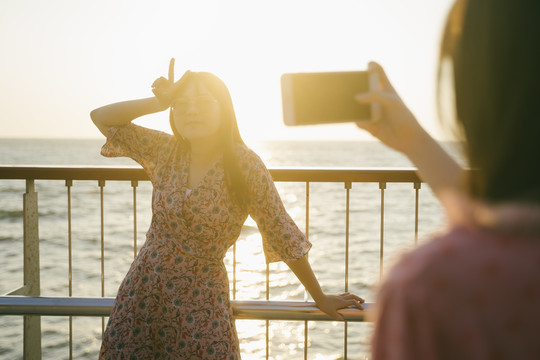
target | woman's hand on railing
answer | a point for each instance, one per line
(330, 304)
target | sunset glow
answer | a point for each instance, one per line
(61, 59)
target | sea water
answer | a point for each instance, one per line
(327, 227)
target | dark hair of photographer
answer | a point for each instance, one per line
(449, 297)
(495, 49)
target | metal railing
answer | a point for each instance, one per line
(26, 300)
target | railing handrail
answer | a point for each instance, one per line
(32, 306)
(242, 309)
(122, 173)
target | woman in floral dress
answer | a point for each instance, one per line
(174, 301)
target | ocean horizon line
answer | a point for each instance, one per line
(289, 140)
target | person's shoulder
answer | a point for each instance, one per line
(444, 253)
(242, 150)
(143, 132)
(154, 132)
(247, 157)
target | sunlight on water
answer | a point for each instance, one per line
(255, 331)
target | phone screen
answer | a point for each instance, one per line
(324, 97)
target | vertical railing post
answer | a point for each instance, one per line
(32, 324)
(306, 339)
(348, 187)
(416, 205)
(234, 272)
(267, 339)
(101, 184)
(382, 187)
(134, 184)
(69, 184)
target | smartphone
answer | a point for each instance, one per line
(313, 98)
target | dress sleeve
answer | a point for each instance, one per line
(146, 146)
(282, 239)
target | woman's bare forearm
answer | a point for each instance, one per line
(330, 304)
(396, 126)
(302, 269)
(124, 112)
(435, 166)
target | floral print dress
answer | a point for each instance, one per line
(174, 301)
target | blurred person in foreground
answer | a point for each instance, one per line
(472, 292)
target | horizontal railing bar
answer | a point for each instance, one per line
(279, 174)
(72, 173)
(55, 306)
(345, 175)
(247, 309)
(293, 310)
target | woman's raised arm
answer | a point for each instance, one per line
(124, 112)
(397, 127)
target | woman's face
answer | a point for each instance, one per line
(196, 113)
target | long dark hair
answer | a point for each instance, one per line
(495, 51)
(229, 133)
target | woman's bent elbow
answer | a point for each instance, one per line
(96, 117)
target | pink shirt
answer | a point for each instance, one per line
(472, 293)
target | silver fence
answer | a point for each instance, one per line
(26, 300)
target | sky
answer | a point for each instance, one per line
(60, 59)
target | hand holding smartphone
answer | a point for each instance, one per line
(325, 97)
